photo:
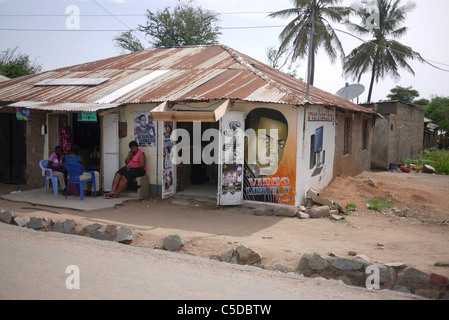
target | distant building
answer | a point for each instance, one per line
(398, 135)
(430, 134)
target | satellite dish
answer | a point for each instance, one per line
(350, 92)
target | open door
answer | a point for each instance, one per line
(231, 159)
(110, 149)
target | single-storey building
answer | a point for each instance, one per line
(398, 135)
(205, 116)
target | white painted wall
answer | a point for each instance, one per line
(320, 175)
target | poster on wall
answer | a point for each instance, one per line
(144, 131)
(231, 159)
(168, 168)
(270, 156)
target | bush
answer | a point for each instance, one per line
(438, 159)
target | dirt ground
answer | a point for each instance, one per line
(418, 235)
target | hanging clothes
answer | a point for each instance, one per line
(65, 138)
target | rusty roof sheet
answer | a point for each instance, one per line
(198, 73)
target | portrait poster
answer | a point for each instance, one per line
(144, 131)
(273, 182)
(168, 168)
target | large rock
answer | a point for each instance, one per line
(173, 243)
(345, 264)
(246, 255)
(22, 221)
(69, 226)
(319, 212)
(90, 229)
(124, 235)
(6, 215)
(35, 223)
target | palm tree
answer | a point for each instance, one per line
(381, 56)
(296, 35)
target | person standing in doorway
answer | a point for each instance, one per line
(135, 166)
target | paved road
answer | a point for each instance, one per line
(33, 265)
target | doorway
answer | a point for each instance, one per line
(199, 179)
(12, 149)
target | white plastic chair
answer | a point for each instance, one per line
(49, 176)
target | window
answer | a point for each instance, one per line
(347, 136)
(365, 135)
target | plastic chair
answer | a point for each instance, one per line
(49, 176)
(74, 170)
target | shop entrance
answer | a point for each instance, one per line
(198, 180)
(87, 135)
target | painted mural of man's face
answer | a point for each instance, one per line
(264, 150)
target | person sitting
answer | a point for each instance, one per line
(55, 163)
(74, 157)
(135, 166)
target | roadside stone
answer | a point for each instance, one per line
(124, 235)
(317, 262)
(414, 278)
(319, 212)
(302, 215)
(372, 183)
(6, 216)
(439, 280)
(22, 221)
(99, 235)
(336, 217)
(57, 227)
(91, 229)
(110, 232)
(35, 223)
(173, 243)
(226, 257)
(347, 264)
(69, 226)
(442, 264)
(246, 255)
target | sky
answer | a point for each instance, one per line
(26, 24)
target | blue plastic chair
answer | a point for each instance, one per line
(49, 176)
(74, 170)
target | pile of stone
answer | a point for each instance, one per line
(319, 206)
(358, 271)
(240, 255)
(98, 231)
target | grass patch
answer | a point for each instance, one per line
(438, 159)
(378, 204)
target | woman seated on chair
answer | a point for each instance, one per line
(55, 163)
(135, 167)
(74, 157)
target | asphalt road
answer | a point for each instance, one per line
(49, 265)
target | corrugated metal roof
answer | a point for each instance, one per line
(198, 73)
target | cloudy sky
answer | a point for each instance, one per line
(26, 24)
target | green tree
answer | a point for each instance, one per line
(438, 111)
(296, 35)
(403, 94)
(14, 64)
(382, 55)
(183, 25)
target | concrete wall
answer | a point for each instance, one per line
(315, 169)
(35, 150)
(358, 159)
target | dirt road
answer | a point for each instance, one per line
(418, 236)
(38, 265)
